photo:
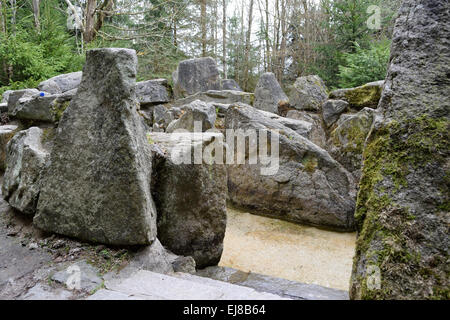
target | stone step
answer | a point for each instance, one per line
(147, 285)
(280, 287)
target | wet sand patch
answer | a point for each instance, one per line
(287, 250)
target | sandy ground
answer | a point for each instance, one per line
(286, 250)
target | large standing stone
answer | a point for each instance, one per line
(308, 93)
(366, 96)
(25, 161)
(196, 75)
(97, 186)
(152, 92)
(402, 210)
(190, 198)
(269, 96)
(308, 186)
(61, 83)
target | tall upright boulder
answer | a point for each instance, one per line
(402, 209)
(97, 186)
(196, 75)
(269, 96)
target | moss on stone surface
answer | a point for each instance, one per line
(364, 96)
(384, 226)
(58, 109)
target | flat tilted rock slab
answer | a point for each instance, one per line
(148, 285)
(278, 286)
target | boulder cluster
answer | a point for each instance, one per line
(90, 154)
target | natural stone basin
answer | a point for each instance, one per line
(286, 250)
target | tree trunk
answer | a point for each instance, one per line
(247, 46)
(89, 33)
(36, 14)
(203, 25)
(224, 38)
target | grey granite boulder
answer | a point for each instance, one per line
(196, 114)
(195, 75)
(6, 133)
(163, 116)
(402, 212)
(47, 108)
(16, 95)
(332, 109)
(26, 158)
(153, 92)
(308, 93)
(269, 96)
(100, 159)
(190, 197)
(229, 84)
(302, 183)
(347, 140)
(61, 83)
(365, 96)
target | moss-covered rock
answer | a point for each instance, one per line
(402, 212)
(365, 96)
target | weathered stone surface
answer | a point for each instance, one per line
(402, 210)
(190, 198)
(282, 287)
(301, 127)
(196, 111)
(5, 96)
(195, 75)
(152, 258)
(332, 109)
(269, 95)
(184, 264)
(360, 97)
(48, 108)
(100, 159)
(346, 142)
(4, 107)
(89, 279)
(61, 83)
(308, 93)
(26, 158)
(155, 91)
(308, 187)
(216, 96)
(229, 84)
(16, 95)
(6, 133)
(317, 133)
(163, 116)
